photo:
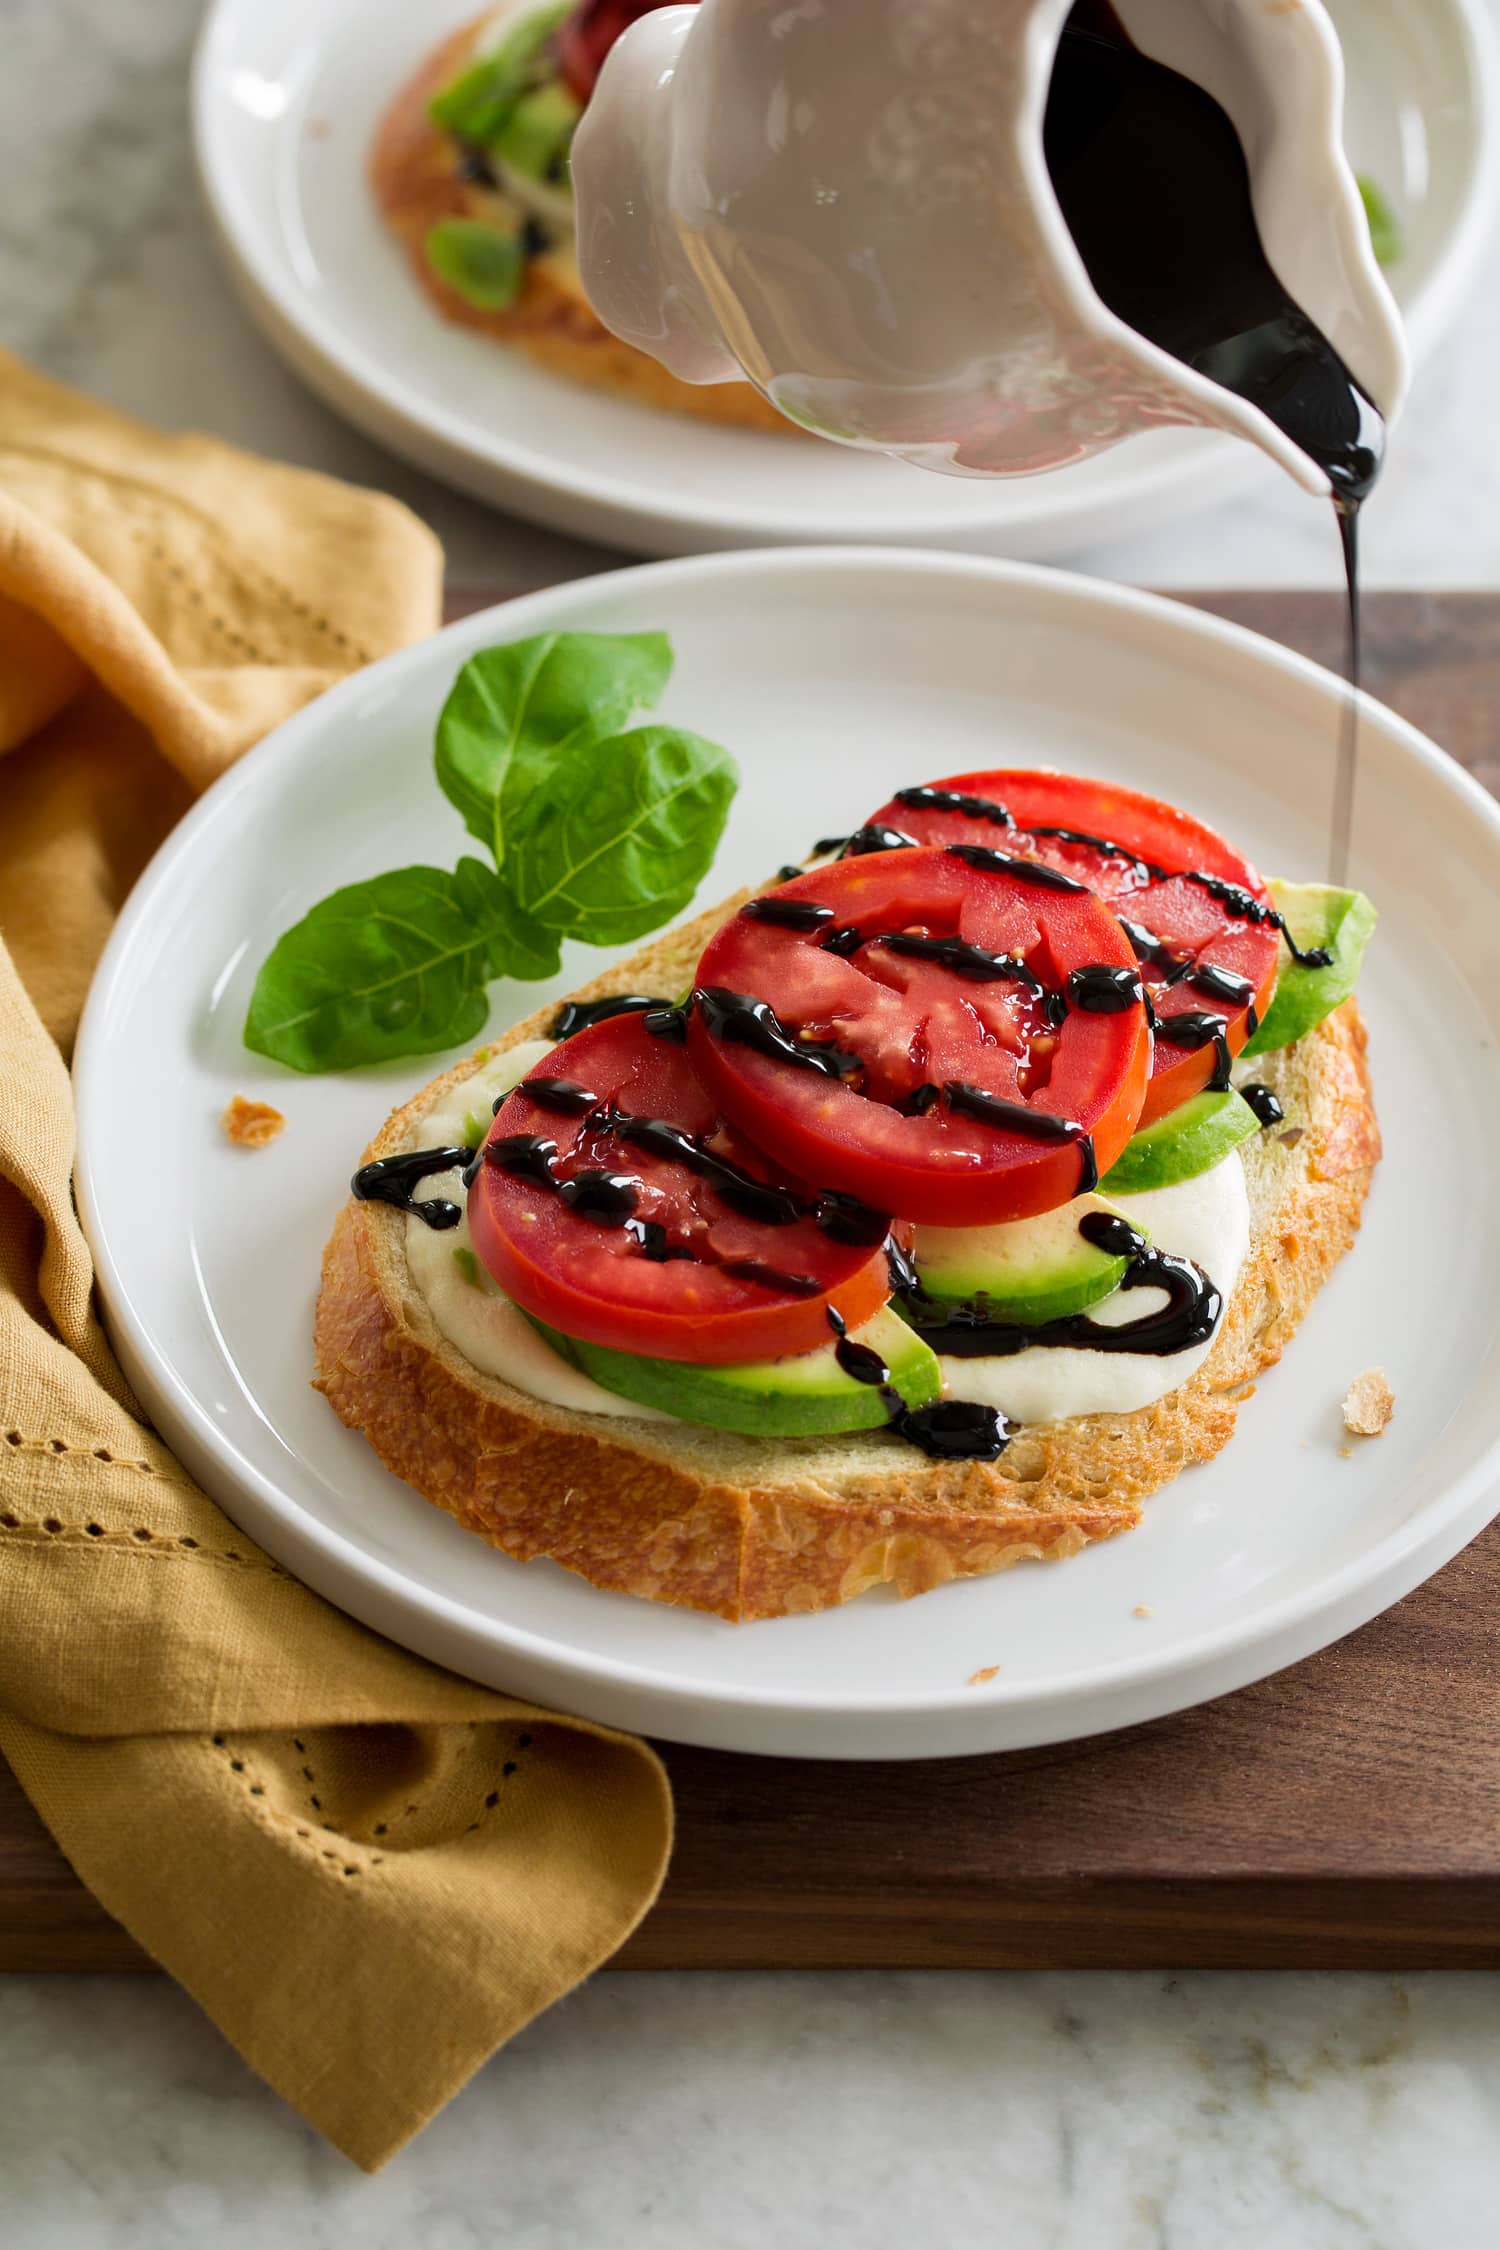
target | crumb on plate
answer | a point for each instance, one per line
(1369, 1403)
(1143, 1609)
(251, 1124)
(985, 1672)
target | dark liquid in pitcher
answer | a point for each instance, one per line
(1154, 187)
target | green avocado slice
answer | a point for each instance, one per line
(539, 130)
(483, 263)
(1316, 914)
(1024, 1270)
(1190, 1139)
(477, 105)
(808, 1395)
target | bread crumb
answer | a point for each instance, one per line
(1369, 1403)
(251, 1124)
(985, 1672)
(1346, 1453)
(1143, 1609)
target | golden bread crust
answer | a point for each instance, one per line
(415, 184)
(749, 1527)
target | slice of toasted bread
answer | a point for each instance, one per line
(760, 1527)
(415, 177)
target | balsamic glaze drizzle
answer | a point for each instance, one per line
(652, 1237)
(1190, 1316)
(927, 798)
(1101, 990)
(971, 962)
(1268, 1110)
(844, 1218)
(1195, 1028)
(530, 1156)
(391, 1179)
(863, 1364)
(582, 1015)
(737, 1016)
(845, 941)
(762, 1200)
(1014, 1117)
(1033, 871)
(788, 913)
(563, 1096)
(955, 1429)
(668, 1022)
(1233, 897)
(772, 1277)
(608, 1198)
(873, 837)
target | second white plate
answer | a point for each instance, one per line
(835, 677)
(286, 96)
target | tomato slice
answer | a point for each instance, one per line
(585, 37)
(958, 1037)
(1209, 966)
(614, 1202)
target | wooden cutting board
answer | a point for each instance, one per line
(1345, 1814)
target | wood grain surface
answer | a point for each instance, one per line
(1345, 1813)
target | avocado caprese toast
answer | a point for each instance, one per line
(470, 170)
(919, 1214)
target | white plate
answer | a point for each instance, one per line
(285, 98)
(836, 676)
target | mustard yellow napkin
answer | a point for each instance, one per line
(367, 1871)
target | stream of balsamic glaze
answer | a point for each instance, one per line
(1154, 188)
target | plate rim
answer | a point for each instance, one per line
(551, 492)
(1145, 1686)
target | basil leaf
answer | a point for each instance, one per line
(476, 105)
(514, 709)
(390, 967)
(483, 263)
(615, 841)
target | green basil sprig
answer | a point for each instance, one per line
(596, 833)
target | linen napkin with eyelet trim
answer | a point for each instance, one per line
(369, 1872)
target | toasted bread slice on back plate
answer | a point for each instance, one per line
(416, 181)
(762, 1527)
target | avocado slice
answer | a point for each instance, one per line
(1024, 1270)
(808, 1395)
(476, 105)
(539, 130)
(1317, 914)
(483, 263)
(1192, 1138)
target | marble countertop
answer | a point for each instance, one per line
(1084, 2112)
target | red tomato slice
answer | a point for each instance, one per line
(614, 1202)
(930, 1041)
(1185, 932)
(585, 37)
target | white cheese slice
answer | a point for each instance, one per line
(1206, 1219)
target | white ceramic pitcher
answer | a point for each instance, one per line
(847, 201)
